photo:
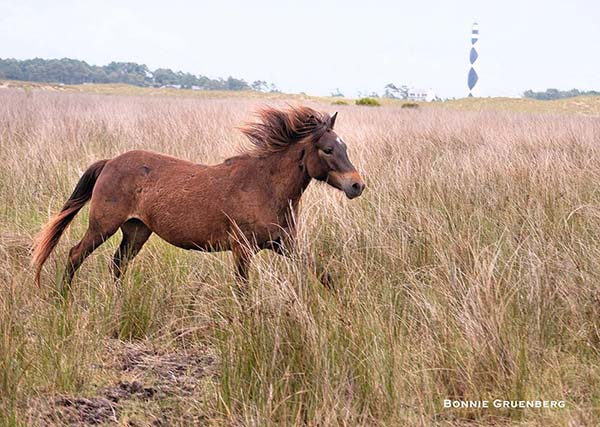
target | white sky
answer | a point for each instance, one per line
(317, 46)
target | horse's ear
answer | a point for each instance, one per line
(332, 120)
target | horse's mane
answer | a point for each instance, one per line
(277, 129)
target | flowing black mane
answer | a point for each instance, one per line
(277, 129)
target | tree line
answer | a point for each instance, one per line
(550, 94)
(73, 71)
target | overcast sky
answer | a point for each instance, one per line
(317, 46)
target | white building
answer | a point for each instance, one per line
(424, 95)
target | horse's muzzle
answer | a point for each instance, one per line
(355, 189)
(349, 182)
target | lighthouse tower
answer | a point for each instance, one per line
(473, 77)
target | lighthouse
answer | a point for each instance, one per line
(473, 56)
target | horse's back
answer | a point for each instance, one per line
(150, 159)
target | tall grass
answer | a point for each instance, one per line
(469, 269)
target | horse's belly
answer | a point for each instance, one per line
(219, 238)
(204, 224)
(195, 242)
(191, 233)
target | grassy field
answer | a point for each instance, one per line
(583, 105)
(469, 269)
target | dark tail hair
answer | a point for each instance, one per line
(45, 242)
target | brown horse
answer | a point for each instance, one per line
(244, 204)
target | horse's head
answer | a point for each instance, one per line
(327, 160)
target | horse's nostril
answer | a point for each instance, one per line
(358, 187)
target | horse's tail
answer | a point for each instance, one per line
(45, 242)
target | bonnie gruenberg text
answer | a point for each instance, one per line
(500, 403)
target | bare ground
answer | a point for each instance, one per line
(145, 387)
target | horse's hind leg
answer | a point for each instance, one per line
(135, 234)
(92, 239)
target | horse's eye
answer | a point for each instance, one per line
(327, 150)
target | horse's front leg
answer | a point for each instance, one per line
(286, 246)
(242, 256)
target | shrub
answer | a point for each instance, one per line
(339, 102)
(410, 105)
(368, 102)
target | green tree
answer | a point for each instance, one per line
(71, 71)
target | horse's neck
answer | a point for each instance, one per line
(288, 175)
